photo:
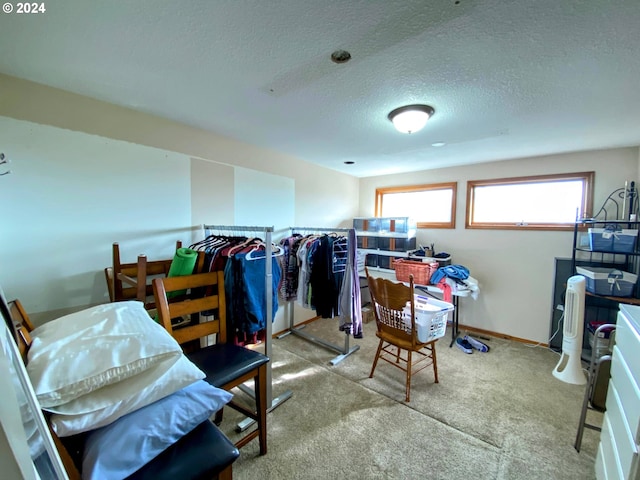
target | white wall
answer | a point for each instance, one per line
(93, 174)
(69, 197)
(212, 197)
(262, 197)
(515, 268)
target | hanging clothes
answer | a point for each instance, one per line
(322, 275)
(349, 298)
(245, 289)
(305, 253)
(325, 282)
(243, 262)
(290, 271)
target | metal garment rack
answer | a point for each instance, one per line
(268, 278)
(345, 350)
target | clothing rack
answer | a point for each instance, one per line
(268, 278)
(344, 350)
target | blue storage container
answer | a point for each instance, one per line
(608, 281)
(612, 239)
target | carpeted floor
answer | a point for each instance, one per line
(496, 415)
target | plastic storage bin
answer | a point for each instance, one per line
(612, 239)
(384, 243)
(443, 260)
(372, 224)
(371, 260)
(397, 224)
(384, 225)
(431, 317)
(608, 281)
(403, 244)
(367, 242)
(385, 261)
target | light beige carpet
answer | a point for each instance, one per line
(496, 415)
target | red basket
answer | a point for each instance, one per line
(421, 271)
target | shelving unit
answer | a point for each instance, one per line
(384, 239)
(586, 253)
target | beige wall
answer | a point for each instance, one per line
(515, 268)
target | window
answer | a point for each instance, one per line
(431, 206)
(541, 202)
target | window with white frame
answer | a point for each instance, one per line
(537, 202)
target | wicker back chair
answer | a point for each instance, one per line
(398, 341)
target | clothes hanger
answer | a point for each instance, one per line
(276, 251)
(237, 248)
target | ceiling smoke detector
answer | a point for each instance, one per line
(340, 56)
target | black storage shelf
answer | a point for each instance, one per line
(604, 307)
(630, 263)
(606, 252)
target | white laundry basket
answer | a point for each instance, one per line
(431, 317)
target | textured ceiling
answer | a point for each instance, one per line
(507, 79)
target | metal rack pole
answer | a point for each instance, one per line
(268, 231)
(344, 351)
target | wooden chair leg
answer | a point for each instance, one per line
(408, 389)
(117, 283)
(141, 279)
(435, 361)
(108, 276)
(226, 474)
(375, 360)
(217, 419)
(261, 407)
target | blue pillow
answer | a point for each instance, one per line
(124, 446)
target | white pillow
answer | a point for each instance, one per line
(87, 350)
(181, 374)
(109, 394)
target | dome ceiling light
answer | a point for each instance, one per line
(410, 118)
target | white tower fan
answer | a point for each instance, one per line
(569, 368)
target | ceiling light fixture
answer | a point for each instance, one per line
(410, 118)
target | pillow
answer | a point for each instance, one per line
(110, 394)
(82, 352)
(181, 374)
(118, 450)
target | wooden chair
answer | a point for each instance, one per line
(205, 452)
(132, 281)
(226, 365)
(388, 299)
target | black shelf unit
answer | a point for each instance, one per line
(626, 261)
(604, 308)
